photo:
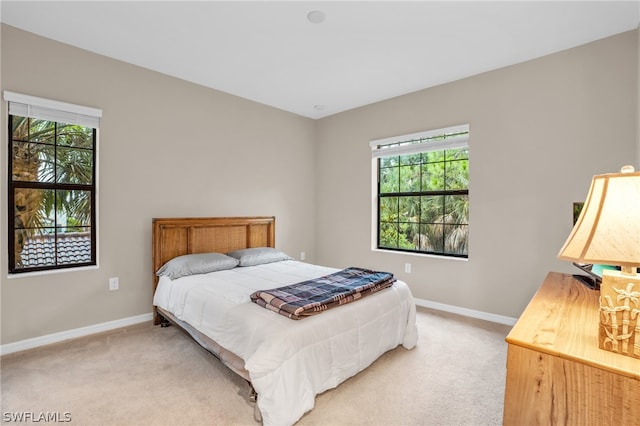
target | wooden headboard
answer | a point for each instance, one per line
(173, 237)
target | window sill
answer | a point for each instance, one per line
(423, 255)
(52, 271)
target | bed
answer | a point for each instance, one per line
(287, 362)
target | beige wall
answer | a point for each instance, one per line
(539, 131)
(166, 148)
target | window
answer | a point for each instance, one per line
(421, 192)
(51, 184)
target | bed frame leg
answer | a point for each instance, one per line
(253, 397)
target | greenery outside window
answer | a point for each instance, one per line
(51, 184)
(421, 192)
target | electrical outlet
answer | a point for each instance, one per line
(114, 283)
(407, 268)
(302, 255)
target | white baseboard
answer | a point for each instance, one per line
(72, 334)
(501, 319)
(112, 325)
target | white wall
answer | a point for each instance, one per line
(538, 132)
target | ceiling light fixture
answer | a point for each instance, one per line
(316, 16)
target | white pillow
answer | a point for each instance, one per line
(200, 263)
(258, 256)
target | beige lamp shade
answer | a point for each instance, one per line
(608, 229)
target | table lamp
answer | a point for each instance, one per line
(607, 232)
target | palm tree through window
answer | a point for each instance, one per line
(51, 194)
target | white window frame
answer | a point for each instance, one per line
(410, 144)
(46, 109)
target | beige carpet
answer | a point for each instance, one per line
(146, 375)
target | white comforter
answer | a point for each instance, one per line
(289, 361)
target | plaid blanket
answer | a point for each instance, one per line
(311, 297)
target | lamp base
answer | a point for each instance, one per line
(620, 313)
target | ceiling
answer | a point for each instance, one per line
(363, 51)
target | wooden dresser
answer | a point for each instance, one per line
(556, 374)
